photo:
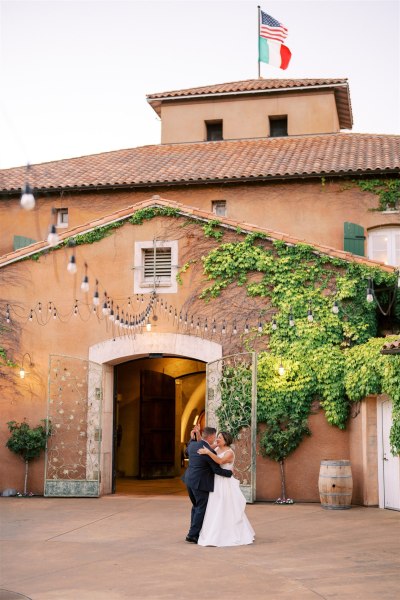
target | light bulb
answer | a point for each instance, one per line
(85, 284)
(22, 373)
(71, 267)
(291, 321)
(274, 325)
(148, 326)
(335, 308)
(52, 238)
(27, 198)
(246, 328)
(370, 297)
(310, 316)
(96, 299)
(105, 309)
(260, 327)
(281, 370)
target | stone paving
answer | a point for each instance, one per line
(119, 547)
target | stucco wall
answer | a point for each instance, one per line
(245, 117)
(311, 211)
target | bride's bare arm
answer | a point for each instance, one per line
(228, 455)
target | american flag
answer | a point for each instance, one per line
(271, 29)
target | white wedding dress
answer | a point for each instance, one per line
(225, 522)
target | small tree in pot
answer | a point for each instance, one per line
(27, 442)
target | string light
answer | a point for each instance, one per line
(234, 328)
(335, 308)
(52, 238)
(281, 369)
(246, 327)
(370, 292)
(291, 318)
(260, 327)
(96, 299)
(71, 267)
(27, 197)
(85, 281)
(148, 325)
(274, 324)
(310, 316)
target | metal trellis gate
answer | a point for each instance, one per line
(74, 411)
(231, 405)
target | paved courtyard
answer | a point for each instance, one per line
(119, 547)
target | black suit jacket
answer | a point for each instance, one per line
(201, 470)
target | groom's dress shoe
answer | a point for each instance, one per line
(192, 540)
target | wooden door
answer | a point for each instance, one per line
(157, 425)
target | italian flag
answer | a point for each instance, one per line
(273, 53)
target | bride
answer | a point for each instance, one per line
(225, 522)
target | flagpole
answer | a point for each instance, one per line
(258, 41)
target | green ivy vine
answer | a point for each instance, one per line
(327, 359)
(388, 191)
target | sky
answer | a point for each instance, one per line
(75, 73)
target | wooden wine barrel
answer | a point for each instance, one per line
(335, 484)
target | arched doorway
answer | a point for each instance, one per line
(117, 358)
(157, 401)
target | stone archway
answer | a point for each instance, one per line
(122, 349)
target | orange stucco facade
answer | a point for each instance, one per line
(244, 117)
(313, 211)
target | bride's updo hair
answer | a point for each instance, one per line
(227, 437)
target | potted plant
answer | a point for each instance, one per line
(27, 442)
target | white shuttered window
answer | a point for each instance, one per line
(157, 265)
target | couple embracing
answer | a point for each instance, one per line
(218, 506)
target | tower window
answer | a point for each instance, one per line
(214, 131)
(278, 126)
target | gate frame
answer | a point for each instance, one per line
(250, 497)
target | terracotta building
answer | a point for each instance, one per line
(257, 155)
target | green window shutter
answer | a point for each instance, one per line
(354, 239)
(21, 241)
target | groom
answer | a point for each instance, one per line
(199, 478)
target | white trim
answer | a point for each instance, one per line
(122, 349)
(141, 287)
(125, 348)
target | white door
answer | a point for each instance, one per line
(391, 464)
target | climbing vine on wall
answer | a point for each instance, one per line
(295, 280)
(388, 191)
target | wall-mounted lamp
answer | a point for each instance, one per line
(22, 371)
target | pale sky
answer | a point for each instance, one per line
(75, 73)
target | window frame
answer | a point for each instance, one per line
(220, 203)
(211, 123)
(59, 213)
(276, 118)
(144, 286)
(390, 231)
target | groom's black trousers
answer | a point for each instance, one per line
(199, 499)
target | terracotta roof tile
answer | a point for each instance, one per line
(204, 162)
(391, 347)
(193, 212)
(263, 86)
(248, 85)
